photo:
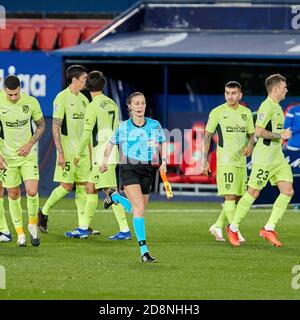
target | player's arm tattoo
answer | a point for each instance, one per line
(265, 134)
(207, 140)
(56, 131)
(40, 129)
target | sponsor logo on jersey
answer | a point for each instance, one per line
(261, 117)
(17, 123)
(151, 143)
(78, 115)
(235, 129)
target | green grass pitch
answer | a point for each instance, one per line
(191, 265)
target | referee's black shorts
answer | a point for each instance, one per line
(142, 174)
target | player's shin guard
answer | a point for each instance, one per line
(139, 229)
(80, 200)
(57, 194)
(121, 217)
(242, 208)
(90, 209)
(3, 223)
(229, 208)
(15, 210)
(32, 207)
(221, 219)
(279, 208)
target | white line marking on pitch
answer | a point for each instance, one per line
(173, 210)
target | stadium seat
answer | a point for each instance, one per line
(47, 37)
(187, 167)
(25, 37)
(70, 36)
(88, 31)
(6, 38)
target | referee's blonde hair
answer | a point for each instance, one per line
(134, 94)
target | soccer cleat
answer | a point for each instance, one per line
(21, 242)
(108, 200)
(121, 236)
(270, 236)
(77, 233)
(5, 237)
(241, 238)
(34, 237)
(42, 222)
(92, 232)
(233, 237)
(147, 258)
(216, 232)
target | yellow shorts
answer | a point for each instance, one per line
(231, 180)
(261, 174)
(21, 170)
(71, 173)
(107, 179)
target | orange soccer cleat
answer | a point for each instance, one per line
(233, 237)
(270, 236)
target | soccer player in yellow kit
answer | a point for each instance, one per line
(68, 122)
(234, 125)
(19, 154)
(268, 162)
(100, 121)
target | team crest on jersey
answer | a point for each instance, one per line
(261, 117)
(279, 126)
(244, 116)
(259, 183)
(25, 109)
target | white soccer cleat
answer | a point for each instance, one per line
(217, 233)
(21, 242)
(34, 236)
(241, 238)
(5, 237)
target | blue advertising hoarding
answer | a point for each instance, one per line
(40, 74)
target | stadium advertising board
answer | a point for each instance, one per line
(40, 74)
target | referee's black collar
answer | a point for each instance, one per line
(137, 125)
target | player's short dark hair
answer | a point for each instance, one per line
(74, 71)
(233, 85)
(11, 82)
(274, 80)
(134, 94)
(95, 81)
